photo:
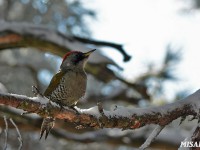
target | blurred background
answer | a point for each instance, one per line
(162, 38)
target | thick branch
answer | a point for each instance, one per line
(86, 135)
(121, 117)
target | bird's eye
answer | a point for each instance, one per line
(77, 58)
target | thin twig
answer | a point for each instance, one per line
(36, 91)
(6, 133)
(19, 135)
(152, 137)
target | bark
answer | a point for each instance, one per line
(121, 117)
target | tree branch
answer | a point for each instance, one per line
(121, 117)
(152, 137)
(18, 133)
(195, 138)
(6, 133)
(13, 35)
(104, 43)
(86, 135)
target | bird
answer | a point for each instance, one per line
(67, 86)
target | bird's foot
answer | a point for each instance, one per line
(47, 125)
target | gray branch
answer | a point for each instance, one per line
(151, 137)
(6, 133)
(18, 133)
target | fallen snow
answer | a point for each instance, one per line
(91, 111)
(40, 99)
(19, 96)
(44, 101)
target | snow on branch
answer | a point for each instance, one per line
(116, 136)
(120, 117)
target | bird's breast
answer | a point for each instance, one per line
(72, 87)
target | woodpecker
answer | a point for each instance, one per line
(67, 86)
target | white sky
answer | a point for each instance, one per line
(145, 27)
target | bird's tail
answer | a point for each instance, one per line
(47, 125)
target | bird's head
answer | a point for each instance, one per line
(75, 60)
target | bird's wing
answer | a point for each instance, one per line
(55, 81)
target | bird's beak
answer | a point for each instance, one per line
(87, 54)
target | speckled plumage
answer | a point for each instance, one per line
(67, 88)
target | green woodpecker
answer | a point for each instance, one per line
(67, 86)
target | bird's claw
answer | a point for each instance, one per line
(47, 125)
